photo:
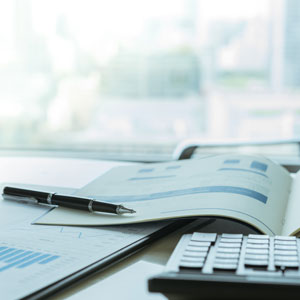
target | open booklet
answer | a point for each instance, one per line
(250, 189)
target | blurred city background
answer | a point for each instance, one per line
(144, 75)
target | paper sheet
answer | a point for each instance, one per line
(251, 189)
(32, 257)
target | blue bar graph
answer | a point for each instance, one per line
(145, 170)
(259, 166)
(20, 258)
(13, 253)
(49, 259)
(32, 261)
(25, 253)
(231, 161)
(2, 248)
(7, 251)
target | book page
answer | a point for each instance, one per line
(292, 221)
(246, 188)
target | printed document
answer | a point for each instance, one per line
(251, 189)
(33, 257)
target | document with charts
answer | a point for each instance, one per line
(250, 189)
(34, 257)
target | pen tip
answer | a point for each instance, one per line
(123, 210)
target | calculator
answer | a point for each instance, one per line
(231, 266)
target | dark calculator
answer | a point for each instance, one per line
(231, 266)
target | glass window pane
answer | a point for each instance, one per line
(143, 75)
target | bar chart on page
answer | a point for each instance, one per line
(34, 257)
(11, 257)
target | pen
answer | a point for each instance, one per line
(87, 204)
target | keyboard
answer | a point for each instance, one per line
(231, 266)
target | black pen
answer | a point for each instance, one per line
(37, 197)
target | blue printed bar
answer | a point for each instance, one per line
(11, 254)
(2, 248)
(20, 261)
(243, 170)
(21, 258)
(49, 259)
(7, 251)
(28, 263)
(232, 161)
(145, 170)
(18, 256)
(259, 166)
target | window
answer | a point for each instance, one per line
(98, 74)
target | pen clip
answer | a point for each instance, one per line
(29, 200)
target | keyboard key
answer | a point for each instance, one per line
(232, 236)
(258, 241)
(229, 240)
(196, 249)
(194, 254)
(200, 244)
(204, 237)
(228, 250)
(191, 265)
(257, 251)
(280, 242)
(193, 259)
(258, 262)
(285, 238)
(229, 245)
(196, 244)
(257, 256)
(286, 258)
(286, 252)
(285, 247)
(227, 255)
(222, 266)
(257, 246)
(258, 236)
(226, 261)
(200, 249)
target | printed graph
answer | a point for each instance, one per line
(20, 258)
